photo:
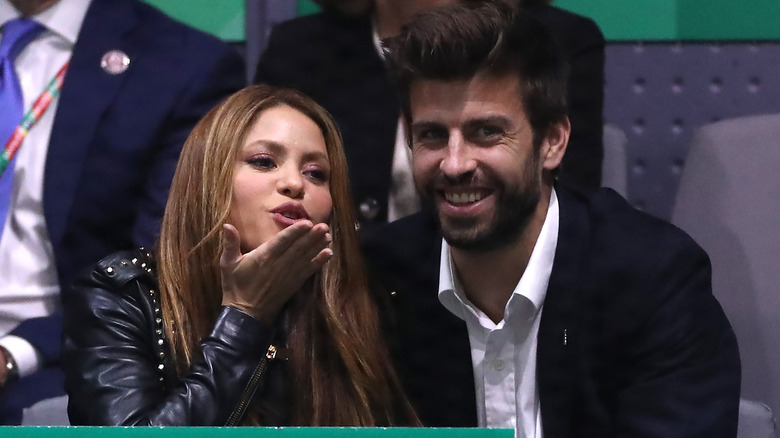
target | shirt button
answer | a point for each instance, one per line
(499, 364)
(369, 209)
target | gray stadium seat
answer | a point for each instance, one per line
(729, 201)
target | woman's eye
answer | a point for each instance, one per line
(262, 162)
(316, 174)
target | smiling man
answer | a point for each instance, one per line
(518, 302)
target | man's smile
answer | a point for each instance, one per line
(464, 196)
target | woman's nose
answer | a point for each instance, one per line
(290, 183)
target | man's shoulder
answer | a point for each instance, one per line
(611, 215)
(177, 56)
(621, 240)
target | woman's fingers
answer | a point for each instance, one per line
(292, 247)
(308, 246)
(231, 249)
(284, 239)
(320, 259)
(262, 280)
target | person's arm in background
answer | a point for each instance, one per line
(35, 342)
(221, 75)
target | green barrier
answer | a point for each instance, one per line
(686, 20)
(224, 18)
(662, 20)
(248, 432)
(619, 20)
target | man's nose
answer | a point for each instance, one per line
(458, 160)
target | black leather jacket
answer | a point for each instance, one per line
(118, 369)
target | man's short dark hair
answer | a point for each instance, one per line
(457, 42)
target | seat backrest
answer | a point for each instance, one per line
(47, 412)
(729, 202)
(755, 420)
(614, 169)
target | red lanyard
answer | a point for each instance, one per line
(31, 118)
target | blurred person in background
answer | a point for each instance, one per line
(125, 84)
(337, 58)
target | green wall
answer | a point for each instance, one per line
(619, 19)
(739, 20)
(223, 18)
(630, 19)
(682, 19)
(671, 19)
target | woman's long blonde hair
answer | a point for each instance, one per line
(340, 371)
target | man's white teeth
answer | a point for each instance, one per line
(462, 198)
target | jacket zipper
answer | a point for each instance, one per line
(251, 387)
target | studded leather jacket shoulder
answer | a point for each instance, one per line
(116, 358)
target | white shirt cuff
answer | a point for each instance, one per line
(27, 358)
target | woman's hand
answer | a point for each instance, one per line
(261, 281)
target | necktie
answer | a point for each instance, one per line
(17, 33)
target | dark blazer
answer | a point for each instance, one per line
(116, 140)
(334, 61)
(631, 341)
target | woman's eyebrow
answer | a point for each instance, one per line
(315, 156)
(273, 146)
(280, 149)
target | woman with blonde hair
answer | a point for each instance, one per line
(254, 309)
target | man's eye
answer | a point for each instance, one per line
(262, 162)
(429, 134)
(487, 131)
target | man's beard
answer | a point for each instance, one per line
(513, 211)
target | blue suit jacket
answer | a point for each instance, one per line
(116, 138)
(631, 341)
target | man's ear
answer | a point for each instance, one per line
(554, 144)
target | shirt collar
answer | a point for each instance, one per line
(64, 18)
(532, 285)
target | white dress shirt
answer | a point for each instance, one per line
(28, 276)
(504, 355)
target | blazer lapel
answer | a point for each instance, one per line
(557, 339)
(87, 92)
